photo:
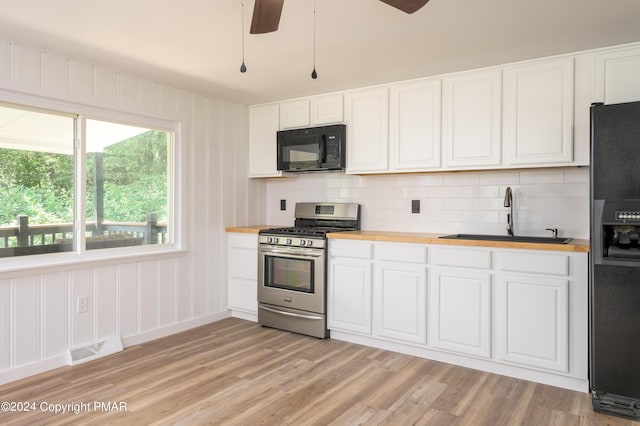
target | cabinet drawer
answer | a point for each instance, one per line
(537, 263)
(247, 241)
(243, 263)
(442, 256)
(353, 249)
(411, 253)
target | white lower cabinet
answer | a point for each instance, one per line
(349, 287)
(532, 320)
(242, 273)
(516, 312)
(400, 299)
(460, 311)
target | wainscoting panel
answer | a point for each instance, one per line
(138, 297)
(55, 308)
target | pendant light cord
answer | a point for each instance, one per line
(314, 74)
(243, 67)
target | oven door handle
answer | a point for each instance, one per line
(290, 314)
(290, 254)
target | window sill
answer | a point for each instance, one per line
(88, 258)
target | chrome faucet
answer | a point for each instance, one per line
(508, 202)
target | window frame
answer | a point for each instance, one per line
(175, 183)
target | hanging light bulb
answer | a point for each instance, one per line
(243, 67)
(314, 74)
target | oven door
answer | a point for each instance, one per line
(292, 277)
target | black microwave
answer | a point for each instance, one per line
(311, 149)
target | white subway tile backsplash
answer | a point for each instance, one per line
(443, 192)
(542, 176)
(500, 178)
(524, 191)
(466, 178)
(480, 191)
(576, 175)
(470, 202)
(488, 216)
(565, 190)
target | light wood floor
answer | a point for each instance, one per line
(236, 372)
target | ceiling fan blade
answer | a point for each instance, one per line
(266, 16)
(408, 6)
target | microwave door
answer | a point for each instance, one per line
(301, 154)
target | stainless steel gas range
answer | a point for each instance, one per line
(292, 267)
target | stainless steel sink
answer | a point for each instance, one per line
(515, 239)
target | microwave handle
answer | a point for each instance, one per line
(323, 149)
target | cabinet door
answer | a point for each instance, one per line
(471, 108)
(294, 114)
(617, 76)
(400, 299)
(367, 118)
(327, 109)
(349, 295)
(414, 126)
(538, 113)
(459, 311)
(263, 127)
(531, 315)
(242, 272)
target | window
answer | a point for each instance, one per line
(126, 190)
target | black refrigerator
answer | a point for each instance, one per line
(614, 289)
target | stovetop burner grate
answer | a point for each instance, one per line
(304, 231)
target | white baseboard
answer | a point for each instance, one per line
(173, 329)
(32, 369)
(245, 316)
(61, 360)
(547, 378)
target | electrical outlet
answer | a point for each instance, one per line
(415, 206)
(283, 204)
(82, 304)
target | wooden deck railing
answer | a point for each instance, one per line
(28, 236)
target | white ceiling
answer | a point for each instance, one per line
(196, 44)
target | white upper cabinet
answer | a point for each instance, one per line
(294, 114)
(414, 126)
(521, 115)
(471, 108)
(327, 109)
(367, 119)
(263, 127)
(538, 112)
(617, 74)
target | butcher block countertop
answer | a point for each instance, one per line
(416, 237)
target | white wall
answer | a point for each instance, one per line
(468, 202)
(139, 298)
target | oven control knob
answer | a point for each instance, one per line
(269, 239)
(288, 240)
(275, 240)
(303, 243)
(309, 243)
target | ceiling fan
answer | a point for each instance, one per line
(266, 13)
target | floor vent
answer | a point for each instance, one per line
(617, 406)
(82, 354)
